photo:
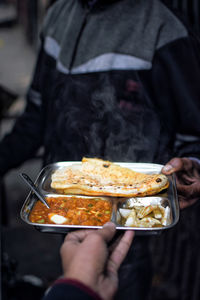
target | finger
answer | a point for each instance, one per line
(94, 246)
(86, 237)
(189, 191)
(174, 165)
(73, 239)
(78, 236)
(184, 178)
(185, 203)
(120, 252)
(178, 164)
(107, 232)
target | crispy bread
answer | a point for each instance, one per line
(97, 177)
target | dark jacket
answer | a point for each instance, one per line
(70, 290)
(118, 80)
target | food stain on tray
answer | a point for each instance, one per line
(72, 211)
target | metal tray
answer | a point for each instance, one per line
(169, 198)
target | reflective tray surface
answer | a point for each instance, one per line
(168, 198)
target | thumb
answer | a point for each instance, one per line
(174, 165)
(108, 231)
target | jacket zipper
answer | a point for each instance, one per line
(78, 39)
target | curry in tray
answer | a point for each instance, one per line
(72, 211)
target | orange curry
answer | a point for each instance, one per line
(77, 211)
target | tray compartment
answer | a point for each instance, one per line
(146, 212)
(165, 198)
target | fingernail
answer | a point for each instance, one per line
(109, 224)
(167, 168)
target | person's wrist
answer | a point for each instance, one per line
(80, 285)
(81, 276)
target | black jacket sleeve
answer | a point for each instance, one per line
(70, 290)
(27, 134)
(174, 87)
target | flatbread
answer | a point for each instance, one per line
(97, 177)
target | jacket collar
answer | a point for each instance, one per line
(97, 3)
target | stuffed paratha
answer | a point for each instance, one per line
(97, 177)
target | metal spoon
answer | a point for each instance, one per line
(34, 188)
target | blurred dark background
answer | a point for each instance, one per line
(30, 259)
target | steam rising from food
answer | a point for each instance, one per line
(114, 124)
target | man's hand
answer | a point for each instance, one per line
(187, 173)
(85, 257)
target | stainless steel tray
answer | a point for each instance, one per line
(169, 198)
